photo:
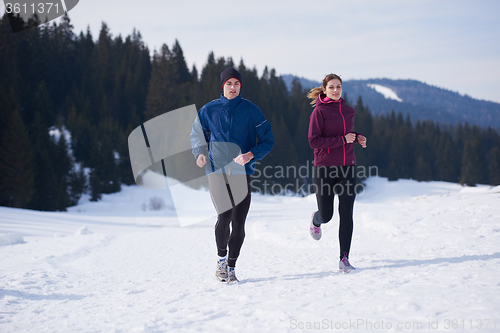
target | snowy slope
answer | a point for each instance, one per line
(427, 256)
(387, 92)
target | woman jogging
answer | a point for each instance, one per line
(228, 136)
(331, 137)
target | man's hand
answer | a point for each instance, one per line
(201, 160)
(243, 158)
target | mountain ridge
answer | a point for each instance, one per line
(420, 100)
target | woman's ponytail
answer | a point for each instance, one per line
(313, 94)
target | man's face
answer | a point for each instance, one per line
(231, 88)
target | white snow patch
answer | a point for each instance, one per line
(56, 134)
(116, 156)
(387, 92)
(83, 231)
(11, 239)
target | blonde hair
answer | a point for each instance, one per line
(315, 92)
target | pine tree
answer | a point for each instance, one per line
(43, 104)
(426, 136)
(95, 183)
(278, 97)
(283, 153)
(182, 74)
(195, 90)
(131, 80)
(473, 169)
(9, 44)
(59, 59)
(298, 114)
(494, 166)
(364, 125)
(45, 160)
(423, 170)
(125, 170)
(447, 161)
(182, 77)
(76, 179)
(402, 142)
(251, 86)
(63, 168)
(84, 134)
(381, 136)
(16, 164)
(462, 132)
(400, 151)
(210, 79)
(100, 76)
(161, 96)
(77, 185)
(5, 108)
(364, 120)
(84, 48)
(105, 175)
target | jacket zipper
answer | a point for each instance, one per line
(343, 120)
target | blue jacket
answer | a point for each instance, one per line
(238, 122)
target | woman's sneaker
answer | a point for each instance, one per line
(344, 265)
(232, 276)
(314, 230)
(221, 272)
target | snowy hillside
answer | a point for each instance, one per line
(427, 258)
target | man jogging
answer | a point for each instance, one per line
(228, 136)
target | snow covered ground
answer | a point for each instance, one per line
(427, 258)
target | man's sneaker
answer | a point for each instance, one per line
(232, 276)
(344, 265)
(314, 230)
(221, 272)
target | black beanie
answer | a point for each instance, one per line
(229, 73)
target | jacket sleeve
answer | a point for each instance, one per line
(264, 134)
(200, 136)
(315, 134)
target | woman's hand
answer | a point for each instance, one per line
(243, 158)
(362, 140)
(201, 160)
(350, 137)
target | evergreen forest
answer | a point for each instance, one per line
(98, 89)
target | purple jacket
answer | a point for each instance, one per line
(329, 122)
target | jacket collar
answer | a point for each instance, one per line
(322, 99)
(230, 102)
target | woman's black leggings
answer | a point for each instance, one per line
(340, 180)
(232, 237)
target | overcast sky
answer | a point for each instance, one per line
(451, 44)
